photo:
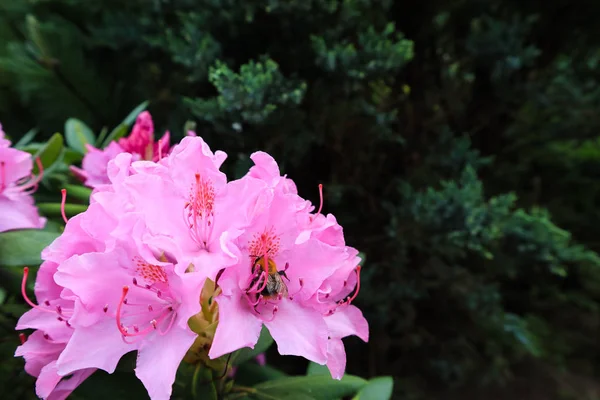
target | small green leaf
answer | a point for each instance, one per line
(49, 153)
(101, 137)
(116, 134)
(26, 139)
(72, 157)
(78, 134)
(379, 388)
(23, 247)
(133, 114)
(317, 369)
(321, 387)
(264, 342)
(79, 192)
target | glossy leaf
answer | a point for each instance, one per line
(116, 134)
(121, 130)
(54, 209)
(249, 374)
(317, 369)
(129, 119)
(78, 192)
(23, 247)
(49, 153)
(78, 134)
(377, 389)
(26, 139)
(203, 384)
(320, 387)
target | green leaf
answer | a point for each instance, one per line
(78, 134)
(133, 114)
(298, 396)
(26, 139)
(71, 157)
(123, 127)
(54, 209)
(116, 134)
(101, 136)
(379, 388)
(203, 384)
(250, 374)
(23, 247)
(79, 192)
(264, 342)
(49, 153)
(317, 369)
(321, 387)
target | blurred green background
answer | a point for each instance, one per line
(457, 140)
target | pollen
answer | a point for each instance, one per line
(265, 243)
(149, 272)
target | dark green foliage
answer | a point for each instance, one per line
(457, 142)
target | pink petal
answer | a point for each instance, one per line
(299, 331)
(237, 328)
(65, 387)
(47, 380)
(157, 362)
(98, 346)
(19, 214)
(336, 358)
(346, 321)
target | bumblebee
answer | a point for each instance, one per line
(275, 286)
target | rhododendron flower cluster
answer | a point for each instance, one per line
(140, 143)
(17, 183)
(131, 273)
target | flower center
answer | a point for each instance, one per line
(145, 308)
(199, 210)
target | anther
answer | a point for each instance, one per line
(105, 308)
(149, 307)
(22, 338)
(153, 323)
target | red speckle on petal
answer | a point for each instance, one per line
(150, 273)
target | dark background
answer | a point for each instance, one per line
(457, 140)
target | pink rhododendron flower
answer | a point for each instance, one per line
(42, 349)
(128, 273)
(283, 266)
(140, 143)
(17, 183)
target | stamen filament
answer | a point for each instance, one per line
(24, 292)
(320, 198)
(63, 200)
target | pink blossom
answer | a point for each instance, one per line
(141, 139)
(194, 213)
(42, 349)
(287, 257)
(130, 301)
(140, 143)
(17, 183)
